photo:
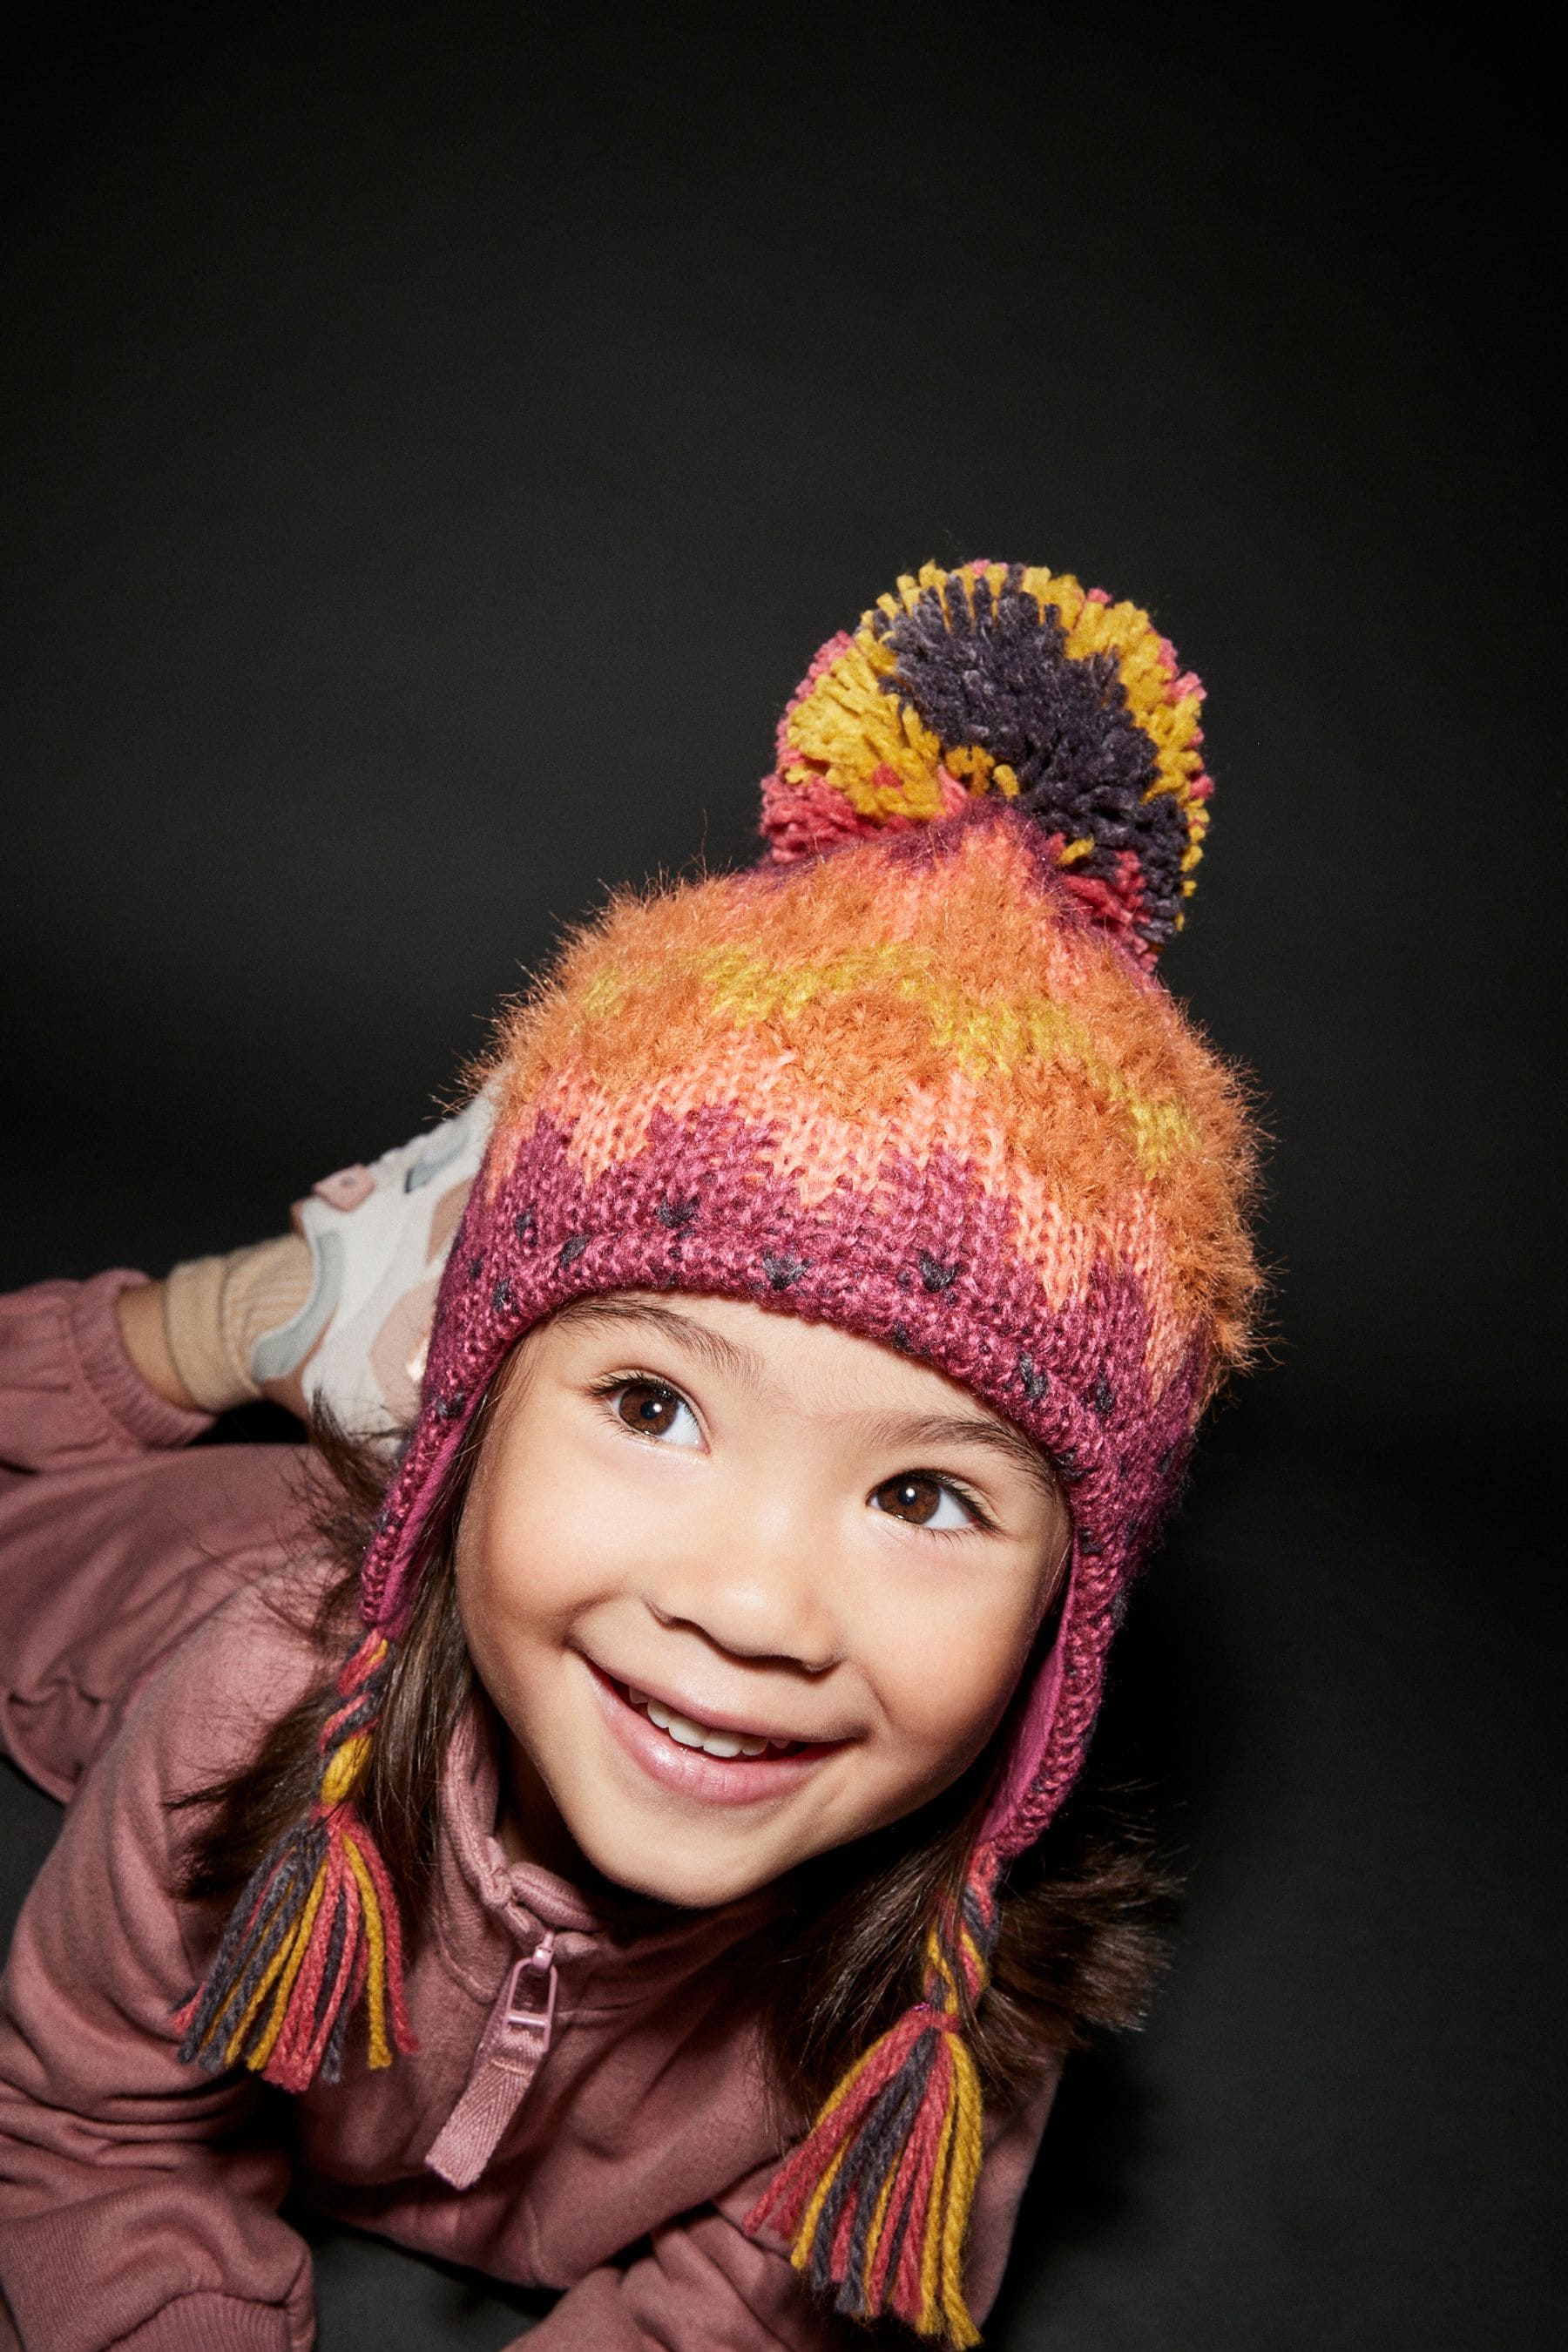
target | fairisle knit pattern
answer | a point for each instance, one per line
(910, 1077)
(905, 1089)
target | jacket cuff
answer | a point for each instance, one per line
(135, 1410)
(210, 2323)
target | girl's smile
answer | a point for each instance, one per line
(715, 1764)
(743, 1588)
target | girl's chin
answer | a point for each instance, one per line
(684, 1885)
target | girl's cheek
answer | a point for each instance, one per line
(944, 1673)
(534, 1574)
(521, 1595)
(547, 1536)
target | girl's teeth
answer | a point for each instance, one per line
(681, 1729)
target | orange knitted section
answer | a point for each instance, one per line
(902, 1001)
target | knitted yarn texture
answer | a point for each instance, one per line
(912, 1076)
(1010, 679)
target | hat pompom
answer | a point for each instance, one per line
(1014, 681)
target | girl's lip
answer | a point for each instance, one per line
(741, 1728)
(690, 1771)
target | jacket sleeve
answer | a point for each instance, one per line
(70, 1398)
(704, 2285)
(137, 2204)
(116, 1537)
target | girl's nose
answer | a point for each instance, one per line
(760, 1591)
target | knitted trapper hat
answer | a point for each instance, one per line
(911, 1076)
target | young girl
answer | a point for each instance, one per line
(616, 1828)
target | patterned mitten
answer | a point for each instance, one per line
(378, 1238)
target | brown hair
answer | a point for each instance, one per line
(1081, 1917)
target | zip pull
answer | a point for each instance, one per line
(510, 2052)
(527, 2004)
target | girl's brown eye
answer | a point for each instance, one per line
(914, 1499)
(649, 1410)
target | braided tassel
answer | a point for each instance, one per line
(876, 2201)
(316, 1927)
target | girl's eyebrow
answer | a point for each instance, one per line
(725, 1355)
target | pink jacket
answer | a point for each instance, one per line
(581, 2089)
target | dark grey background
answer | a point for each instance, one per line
(434, 444)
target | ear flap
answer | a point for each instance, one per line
(1031, 1738)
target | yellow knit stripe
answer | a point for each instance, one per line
(344, 1768)
(816, 1144)
(376, 1935)
(983, 1040)
(297, 1946)
(749, 989)
(274, 1967)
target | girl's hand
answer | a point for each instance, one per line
(191, 1336)
(140, 1311)
(336, 1313)
(378, 1238)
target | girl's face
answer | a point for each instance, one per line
(743, 1588)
